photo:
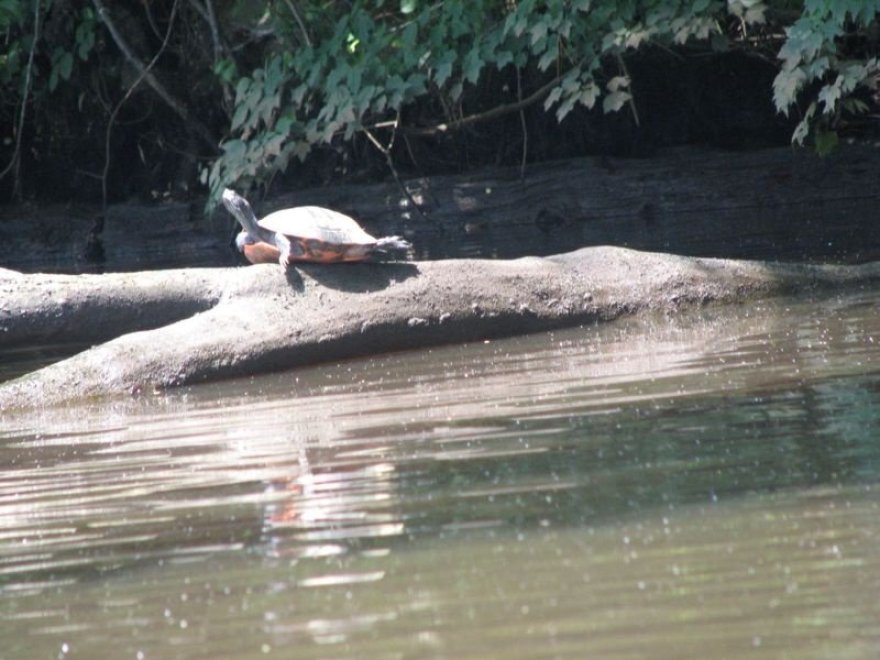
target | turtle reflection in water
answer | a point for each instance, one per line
(308, 233)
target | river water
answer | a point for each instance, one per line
(706, 485)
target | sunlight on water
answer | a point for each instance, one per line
(662, 487)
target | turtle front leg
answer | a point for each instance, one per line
(283, 245)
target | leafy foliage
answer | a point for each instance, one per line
(61, 76)
(11, 21)
(16, 22)
(814, 58)
(280, 78)
(372, 60)
(84, 40)
(32, 68)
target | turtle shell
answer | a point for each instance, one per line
(317, 225)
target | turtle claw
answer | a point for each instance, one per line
(283, 244)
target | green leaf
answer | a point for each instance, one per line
(589, 95)
(549, 56)
(301, 149)
(85, 36)
(830, 94)
(380, 102)
(273, 77)
(520, 25)
(62, 67)
(240, 116)
(285, 123)
(233, 149)
(415, 85)
(298, 95)
(749, 11)
(442, 73)
(565, 107)
(817, 68)
(826, 142)
(456, 90)
(618, 83)
(552, 97)
(408, 37)
(407, 6)
(66, 65)
(786, 86)
(538, 32)
(395, 87)
(472, 65)
(364, 99)
(755, 14)
(803, 128)
(634, 38)
(802, 44)
(226, 70)
(856, 106)
(570, 83)
(11, 13)
(503, 58)
(273, 144)
(242, 89)
(614, 101)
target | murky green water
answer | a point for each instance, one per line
(664, 488)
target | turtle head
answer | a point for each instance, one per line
(240, 209)
(235, 203)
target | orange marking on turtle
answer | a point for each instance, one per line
(261, 253)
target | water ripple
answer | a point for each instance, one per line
(319, 479)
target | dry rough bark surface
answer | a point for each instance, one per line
(170, 328)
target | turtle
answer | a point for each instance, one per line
(308, 233)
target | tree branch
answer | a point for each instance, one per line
(179, 108)
(206, 11)
(144, 73)
(523, 126)
(299, 20)
(492, 113)
(210, 16)
(15, 163)
(386, 151)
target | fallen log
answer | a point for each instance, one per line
(225, 323)
(40, 309)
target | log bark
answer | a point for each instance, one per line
(54, 309)
(212, 324)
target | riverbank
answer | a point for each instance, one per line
(772, 204)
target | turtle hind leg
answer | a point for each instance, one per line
(392, 247)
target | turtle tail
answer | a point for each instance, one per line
(392, 248)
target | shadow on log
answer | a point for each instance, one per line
(180, 327)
